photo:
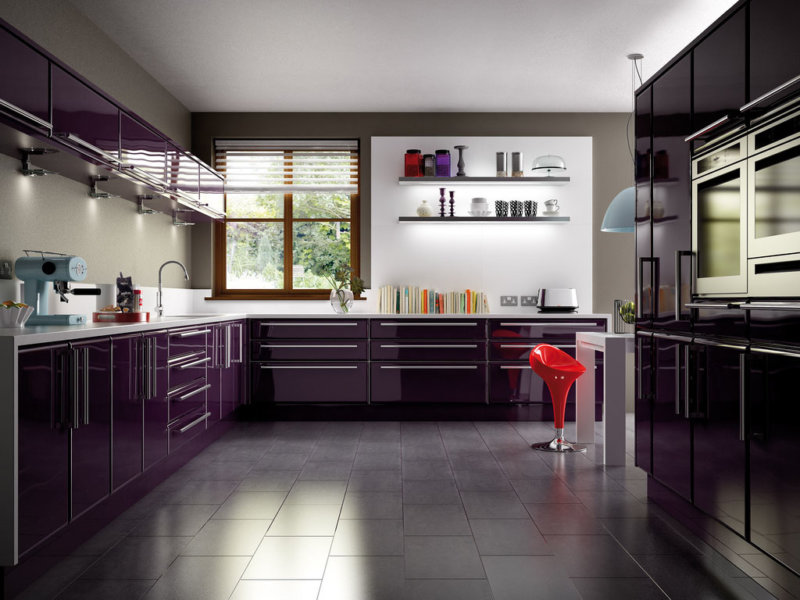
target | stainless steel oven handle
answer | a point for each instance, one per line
(673, 337)
(742, 383)
(679, 254)
(716, 344)
(707, 128)
(771, 306)
(728, 305)
(752, 104)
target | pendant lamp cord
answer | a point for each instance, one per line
(636, 73)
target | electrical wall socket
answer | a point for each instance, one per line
(528, 300)
(509, 300)
(5, 269)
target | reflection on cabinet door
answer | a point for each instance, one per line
(774, 448)
(644, 401)
(301, 383)
(156, 406)
(128, 376)
(428, 382)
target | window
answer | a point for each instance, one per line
(292, 217)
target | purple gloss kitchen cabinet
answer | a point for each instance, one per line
(183, 173)
(156, 407)
(643, 418)
(84, 119)
(128, 375)
(43, 488)
(718, 374)
(774, 446)
(671, 210)
(671, 428)
(644, 199)
(309, 382)
(307, 329)
(143, 152)
(774, 59)
(232, 386)
(418, 382)
(443, 329)
(24, 82)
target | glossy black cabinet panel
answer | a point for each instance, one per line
(83, 118)
(671, 210)
(24, 81)
(43, 466)
(774, 58)
(414, 329)
(303, 383)
(672, 432)
(318, 349)
(776, 326)
(428, 383)
(156, 406)
(716, 319)
(425, 350)
(143, 152)
(91, 427)
(774, 448)
(308, 329)
(643, 407)
(717, 411)
(644, 200)
(549, 330)
(232, 384)
(720, 81)
(129, 384)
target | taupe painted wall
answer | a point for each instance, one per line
(613, 261)
(65, 32)
(55, 213)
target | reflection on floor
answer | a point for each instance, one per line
(398, 511)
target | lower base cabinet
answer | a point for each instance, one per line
(309, 383)
(428, 383)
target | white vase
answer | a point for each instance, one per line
(424, 209)
(341, 300)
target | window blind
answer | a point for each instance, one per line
(286, 166)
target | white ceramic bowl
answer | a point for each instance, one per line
(15, 316)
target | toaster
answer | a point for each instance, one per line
(558, 300)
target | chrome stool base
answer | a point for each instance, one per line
(558, 444)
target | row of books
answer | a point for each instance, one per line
(412, 300)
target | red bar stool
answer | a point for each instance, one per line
(559, 370)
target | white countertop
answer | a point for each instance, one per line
(44, 334)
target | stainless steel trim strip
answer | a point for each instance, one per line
(434, 367)
(195, 363)
(192, 333)
(707, 128)
(309, 367)
(472, 346)
(670, 336)
(427, 324)
(742, 383)
(769, 94)
(71, 137)
(308, 345)
(728, 305)
(192, 393)
(197, 421)
(715, 344)
(24, 113)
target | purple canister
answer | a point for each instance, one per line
(443, 163)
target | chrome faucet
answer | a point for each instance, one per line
(159, 306)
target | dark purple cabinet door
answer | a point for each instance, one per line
(774, 58)
(128, 377)
(427, 383)
(183, 172)
(774, 448)
(719, 455)
(143, 152)
(643, 406)
(302, 383)
(550, 330)
(91, 427)
(720, 80)
(424, 350)
(341, 349)
(671, 209)
(232, 389)
(91, 120)
(43, 445)
(156, 407)
(24, 80)
(437, 329)
(214, 374)
(308, 329)
(672, 434)
(644, 199)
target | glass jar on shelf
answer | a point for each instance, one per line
(413, 163)
(443, 163)
(428, 165)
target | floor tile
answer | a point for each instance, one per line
(508, 537)
(275, 590)
(289, 558)
(694, 580)
(325, 471)
(564, 519)
(416, 470)
(618, 588)
(376, 481)
(526, 468)
(613, 504)
(431, 492)
(382, 461)
(447, 589)
(528, 578)
(57, 578)
(137, 558)
(482, 481)
(176, 520)
(251, 505)
(199, 578)
(442, 557)
(493, 505)
(305, 519)
(118, 589)
(204, 492)
(593, 556)
(368, 537)
(435, 519)
(281, 461)
(649, 536)
(317, 492)
(543, 491)
(235, 537)
(227, 471)
(334, 452)
(372, 505)
(268, 481)
(363, 578)
(433, 451)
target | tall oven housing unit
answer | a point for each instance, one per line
(717, 139)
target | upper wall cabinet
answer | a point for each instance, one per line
(212, 189)
(142, 151)
(774, 57)
(183, 173)
(83, 119)
(24, 82)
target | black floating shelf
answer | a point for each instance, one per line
(483, 180)
(483, 219)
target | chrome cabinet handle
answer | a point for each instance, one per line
(307, 324)
(686, 357)
(154, 368)
(771, 306)
(707, 128)
(71, 137)
(272, 367)
(416, 346)
(188, 356)
(195, 363)
(437, 367)
(241, 343)
(742, 390)
(514, 367)
(537, 344)
(24, 113)
(540, 324)
(192, 393)
(678, 379)
(146, 177)
(228, 345)
(775, 351)
(309, 345)
(197, 421)
(728, 305)
(85, 386)
(427, 324)
(715, 344)
(75, 390)
(793, 81)
(192, 333)
(653, 260)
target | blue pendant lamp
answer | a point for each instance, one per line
(621, 213)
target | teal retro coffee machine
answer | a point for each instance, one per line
(38, 269)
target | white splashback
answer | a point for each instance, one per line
(497, 258)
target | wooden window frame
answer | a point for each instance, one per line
(219, 251)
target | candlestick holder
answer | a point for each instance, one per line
(452, 203)
(442, 200)
(461, 172)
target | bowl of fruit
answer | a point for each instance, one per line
(14, 314)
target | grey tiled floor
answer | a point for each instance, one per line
(403, 511)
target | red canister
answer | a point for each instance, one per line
(413, 163)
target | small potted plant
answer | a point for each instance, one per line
(344, 286)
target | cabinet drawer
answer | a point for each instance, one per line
(185, 341)
(185, 428)
(317, 328)
(512, 383)
(543, 329)
(309, 350)
(298, 383)
(467, 350)
(188, 398)
(512, 349)
(437, 329)
(428, 383)
(187, 367)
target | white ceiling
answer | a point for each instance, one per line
(401, 55)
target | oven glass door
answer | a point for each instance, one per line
(719, 231)
(774, 201)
